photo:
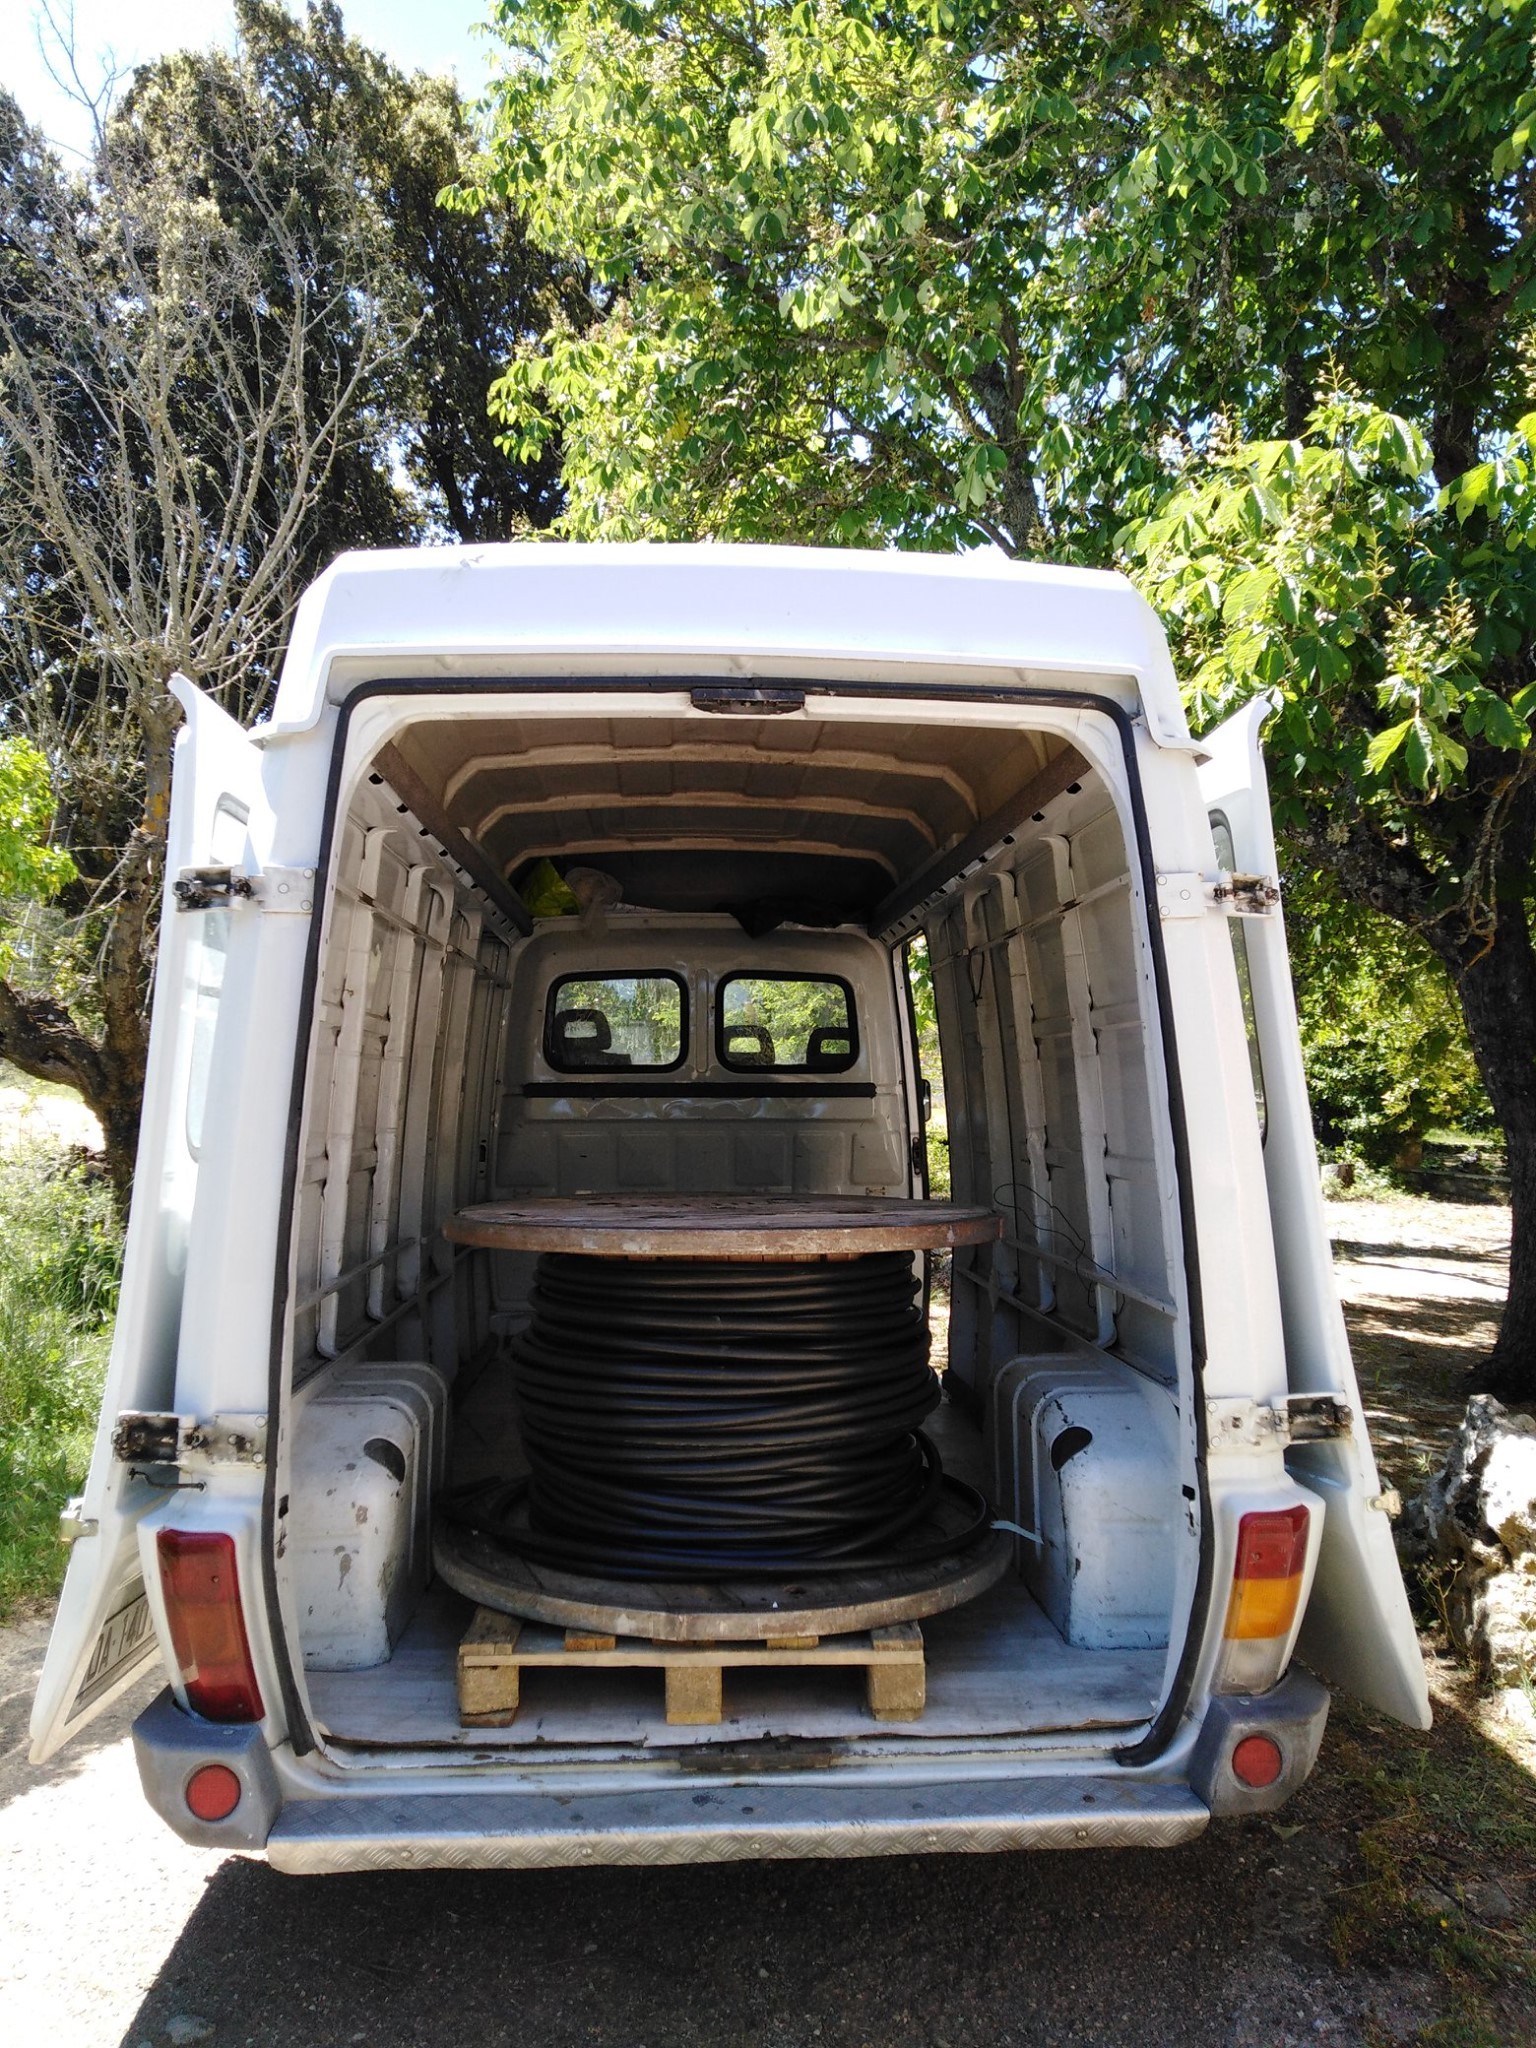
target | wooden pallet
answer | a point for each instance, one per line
(497, 1648)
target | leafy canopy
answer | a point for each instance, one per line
(1331, 571)
(30, 868)
(963, 271)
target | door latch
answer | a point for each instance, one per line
(755, 700)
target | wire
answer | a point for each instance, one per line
(724, 1418)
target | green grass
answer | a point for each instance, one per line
(1430, 1815)
(60, 1252)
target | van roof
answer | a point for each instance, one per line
(701, 609)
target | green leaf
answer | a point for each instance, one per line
(1500, 723)
(1385, 744)
(1248, 594)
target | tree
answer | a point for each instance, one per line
(473, 286)
(1242, 297)
(243, 338)
(169, 427)
(1381, 1030)
(1395, 626)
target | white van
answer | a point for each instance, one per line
(779, 764)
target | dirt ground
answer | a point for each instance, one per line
(1392, 1903)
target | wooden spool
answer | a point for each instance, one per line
(494, 1576)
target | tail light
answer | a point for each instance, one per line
(1266, 1590)
(202, 1605)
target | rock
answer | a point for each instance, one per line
(1474, 1526)
(1433, 1901)
(1489, 1901)
(1516, 1706)
(184, 2028)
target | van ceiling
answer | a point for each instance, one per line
(722, 813)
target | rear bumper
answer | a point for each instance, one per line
(310, 1825)
(498, 1831)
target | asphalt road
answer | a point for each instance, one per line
(115, 1932)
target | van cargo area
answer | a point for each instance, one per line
(727, 1256)
(717, 850)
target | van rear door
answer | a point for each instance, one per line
(102, 1636)
(1358, 1631)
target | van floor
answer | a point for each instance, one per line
(996, 1666)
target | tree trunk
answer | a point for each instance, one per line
(119, 1114)
(38, 1035)
(1497, 987)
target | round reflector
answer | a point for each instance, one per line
(213, 1792)
(1257, 1761)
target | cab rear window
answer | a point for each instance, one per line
(796, 1024)
(597, 1022)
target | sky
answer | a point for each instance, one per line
(420, 35)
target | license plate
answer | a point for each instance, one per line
(126, 1638)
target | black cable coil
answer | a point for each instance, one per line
(721, 1418)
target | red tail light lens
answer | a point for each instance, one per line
(202, 1604)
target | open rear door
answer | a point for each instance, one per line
(1358, 1631)
(102, 1636)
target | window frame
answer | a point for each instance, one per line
(717, 1003)
(547, 1040)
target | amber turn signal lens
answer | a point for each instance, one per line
(1266, 1578)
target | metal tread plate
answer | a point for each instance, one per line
(685, 1824)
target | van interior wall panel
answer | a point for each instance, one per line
(1042, 989)
(407, 1041)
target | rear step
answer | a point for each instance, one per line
(502, 1831)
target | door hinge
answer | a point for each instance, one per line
(1299, 1419)
(152, 1437)
(209, 888)
(1316, 1417)
(1221, 894)
(274, 888)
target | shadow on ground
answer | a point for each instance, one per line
(1387, 1905)
(1211, 1944)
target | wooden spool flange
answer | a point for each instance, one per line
(736, 1611)
(721, 1226)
